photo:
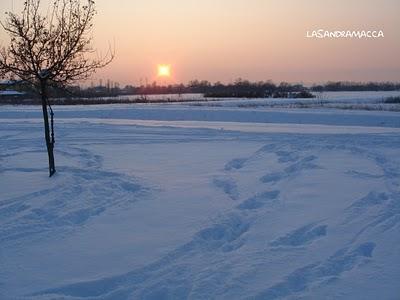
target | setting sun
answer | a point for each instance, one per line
(164, 70)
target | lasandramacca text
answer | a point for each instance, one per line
(345, 34)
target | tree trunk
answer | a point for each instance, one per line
(49, 142)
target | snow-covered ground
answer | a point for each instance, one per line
(178, 202)
(335, 100)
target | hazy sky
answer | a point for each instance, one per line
(253, 39)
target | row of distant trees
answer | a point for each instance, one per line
(259, 88)
(238, 88)
(339, 86)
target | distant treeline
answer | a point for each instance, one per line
(90, 101)
(348, 86)
(239, 88)
(246, 89)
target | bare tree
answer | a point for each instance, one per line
(51, 49)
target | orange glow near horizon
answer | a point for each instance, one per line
(164, 71)
(255, 40)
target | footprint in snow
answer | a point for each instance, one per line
(85, 195)
(273, 177)
(235, 164)
(258, 200)
(363, 175)
(320, 273)
(301, 236)
(224, 235)
(228, 185)
(307, 163)
(287, 156)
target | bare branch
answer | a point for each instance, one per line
(58, 42)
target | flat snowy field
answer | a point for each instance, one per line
(177, 202)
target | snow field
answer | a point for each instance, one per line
(170, 211)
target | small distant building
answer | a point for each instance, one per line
(6, 82)
(7, 91)
(11, 94)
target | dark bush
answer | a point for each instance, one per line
(303, 94)
(392, 100)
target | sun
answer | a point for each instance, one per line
(164, 70)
